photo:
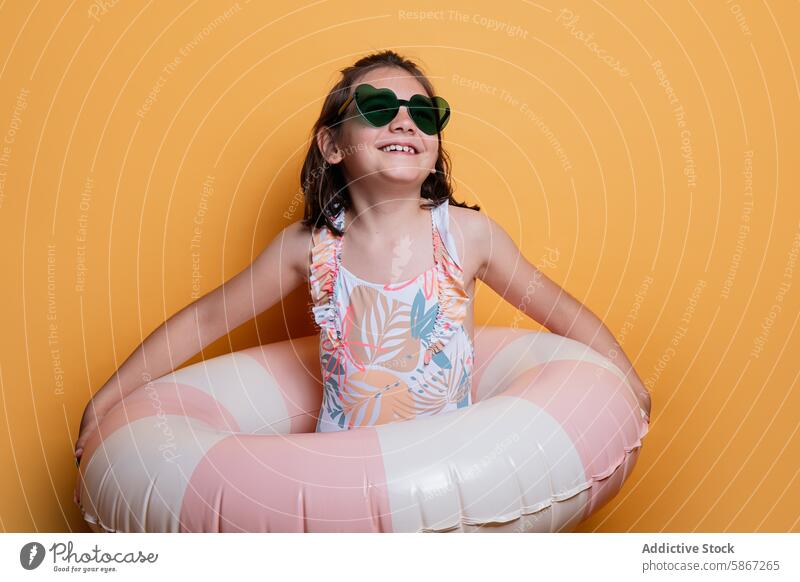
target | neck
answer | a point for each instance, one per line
(381, 213)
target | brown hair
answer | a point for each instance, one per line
(324, 186)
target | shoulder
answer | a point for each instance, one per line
(295, 240)
(480, 235)
(474, 226)
(297, 230)
(468, 220)
(471, 230)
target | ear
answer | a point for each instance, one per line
(327, 145)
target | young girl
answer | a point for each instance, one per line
(390, 259)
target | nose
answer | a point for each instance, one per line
(402, 120)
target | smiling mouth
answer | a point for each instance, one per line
(413, 152)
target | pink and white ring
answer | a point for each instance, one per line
(226, 445)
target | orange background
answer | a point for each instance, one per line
(643, 155)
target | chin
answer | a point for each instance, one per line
(403, 175)
(410, 171)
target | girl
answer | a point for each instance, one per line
(390, 259)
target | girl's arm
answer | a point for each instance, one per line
(278, 270)
(507, 272)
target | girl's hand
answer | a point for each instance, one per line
(642, 395)
(92, 416)
(644, 402)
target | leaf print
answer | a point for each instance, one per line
(431, 395)
(431, 280)
(332, 404)
(460, 391)
(459, 378)
(441, 360)
(443, 386)
(422, 321)
(381, 326)
(333, 369)
(331, 364)
(376, 396)
(429, 403)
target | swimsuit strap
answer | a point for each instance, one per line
(441, 216)
(453, 298)
(323, 271)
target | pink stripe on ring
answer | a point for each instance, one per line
(290, 483)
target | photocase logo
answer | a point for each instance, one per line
(31, 555)
(67, 559)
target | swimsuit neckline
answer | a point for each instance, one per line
(390, 284)
(397, 284)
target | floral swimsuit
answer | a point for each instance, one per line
(391, 351)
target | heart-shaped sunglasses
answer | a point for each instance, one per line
(379, 106)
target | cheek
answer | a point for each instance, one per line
(361, 132)
(361, 156)
(432, 151)
(361, 142)
(354, 150)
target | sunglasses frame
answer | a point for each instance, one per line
(441, 122)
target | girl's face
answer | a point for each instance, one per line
(360, 146)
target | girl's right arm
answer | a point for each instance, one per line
(278, 270)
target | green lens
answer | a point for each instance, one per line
(378, 106)
(422, 112)
(442, 111)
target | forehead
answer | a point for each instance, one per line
(398, 80)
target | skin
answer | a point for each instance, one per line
(385, 221)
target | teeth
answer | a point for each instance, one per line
(393, 147)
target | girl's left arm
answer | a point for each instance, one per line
(504, 268)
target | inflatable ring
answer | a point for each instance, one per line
(227, 445)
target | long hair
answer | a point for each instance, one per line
(324, 185)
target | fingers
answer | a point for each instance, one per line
(80, 443)
(78, 453)
(645, 405)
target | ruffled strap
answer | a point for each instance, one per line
(441, 219)
(323, 271)
(452, 295)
